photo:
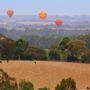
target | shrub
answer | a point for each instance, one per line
(54, 55)
(72, 58)
(24, 85)
(7, 82)
(36, 53)
(66, 84)
(45, 88)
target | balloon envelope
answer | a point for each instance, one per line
(59, 22)
(42, 15)
(10, 12)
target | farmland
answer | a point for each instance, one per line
(49, 74)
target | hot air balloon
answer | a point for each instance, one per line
(59, 22)
(10, 12)
(42, 15)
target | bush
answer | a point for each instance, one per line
(36, 53)
(7, 82)
(54, 55)
(88, 56)
(45, 88)
(66, 84)
(83, 58)
(72, 58)
(24, 85)
(26, 57)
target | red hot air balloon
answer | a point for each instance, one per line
(59, 22)
(42, 15)
(10, 12)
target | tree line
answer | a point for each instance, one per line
(68, 49)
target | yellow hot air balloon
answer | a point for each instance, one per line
(42, 15)
(10, 12)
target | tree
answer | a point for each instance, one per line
(77, 47)
(24, 85)
(87, 56)
(21, 46)
(36, 53)
(72, 58)
(86, 38)
(7, 82)
(66, 84)
(64, 43)
(7, 48)
(63, 47)
(54, 54)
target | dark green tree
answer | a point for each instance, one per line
(54, 54)
(7, 48)
(21, 46)
(24, 85)
(64, 43)
(36, 53)
(66, 84)
(7, 82)
(45, 88)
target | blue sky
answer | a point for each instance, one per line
(53, 7)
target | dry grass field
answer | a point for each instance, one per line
(48, 73)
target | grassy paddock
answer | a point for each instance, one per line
(47, 73)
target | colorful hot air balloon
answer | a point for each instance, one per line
(59, 22)
(42, 15)
(10, 12)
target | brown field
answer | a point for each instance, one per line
(48, 73)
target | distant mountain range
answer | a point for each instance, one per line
(19, 26)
